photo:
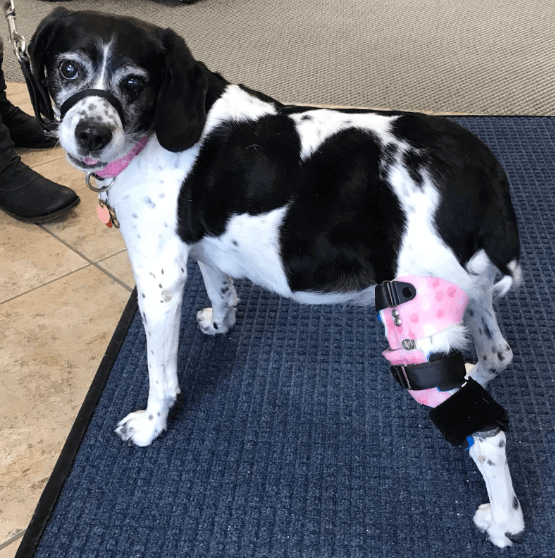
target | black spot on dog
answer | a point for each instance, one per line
(490, 462)
(516, 503)
(215, 325)
(143, 295)
(149, 202)
(471, 313)
(162, 272)
(484, 357)
(160, 285)
(413, 163)
(502, 444)
(500, 357)
(235, 243)
(150, 417)
(487, 331)
(135, 216)
(306, 117)
(92, 106)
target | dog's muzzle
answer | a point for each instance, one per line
(74, 99)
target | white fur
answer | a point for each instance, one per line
(249, 248)
(502, 516)
(236, 104)
(315, 126)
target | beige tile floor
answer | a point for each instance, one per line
(63, 287)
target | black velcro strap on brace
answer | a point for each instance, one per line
(392, 293)
(444, 373)
(468, 411)
(92, 93)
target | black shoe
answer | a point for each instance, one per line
(25, 194)
(25, 130)
(38, 201)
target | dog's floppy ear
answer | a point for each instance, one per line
(180, 108)
(38, 53)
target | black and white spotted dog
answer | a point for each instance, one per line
(316, 205)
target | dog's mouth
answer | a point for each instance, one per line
(86, 163)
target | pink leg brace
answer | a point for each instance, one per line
(437, 306)
(413, 310)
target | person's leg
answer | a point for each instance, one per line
(25, 194)
(24, 129)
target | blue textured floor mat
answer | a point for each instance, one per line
(293, 439)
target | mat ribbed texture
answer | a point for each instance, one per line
(476, 57)
(293, 439)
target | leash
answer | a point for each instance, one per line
(40, 100)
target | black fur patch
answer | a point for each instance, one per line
(343, 229)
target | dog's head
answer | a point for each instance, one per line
(113, 79)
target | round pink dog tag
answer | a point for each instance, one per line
(104, 215)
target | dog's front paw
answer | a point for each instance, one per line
(210, 326)
(140, 428)
(500, 532)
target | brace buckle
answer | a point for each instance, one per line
(390, 294)
(400, 374)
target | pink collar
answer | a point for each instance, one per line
(119, 165)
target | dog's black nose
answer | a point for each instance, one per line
(92, 136)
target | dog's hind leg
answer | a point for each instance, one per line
(502, 517)
(221, 292)
(160, 293)
(494, 353)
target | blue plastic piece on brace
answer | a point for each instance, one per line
(469, 441)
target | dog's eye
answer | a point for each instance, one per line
(134, 84)
(69, 70)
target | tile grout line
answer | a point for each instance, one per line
(95, 264)
(90, 262)
(12, 539)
